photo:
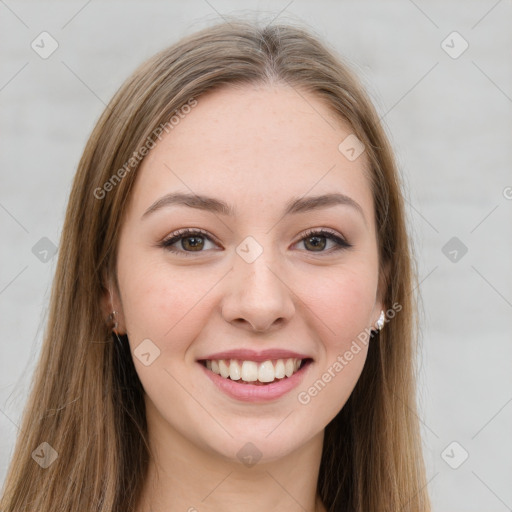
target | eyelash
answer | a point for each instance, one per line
(185, 233)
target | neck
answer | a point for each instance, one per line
(185, 477)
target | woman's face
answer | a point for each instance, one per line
(256, 279)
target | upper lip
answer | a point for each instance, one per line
(252, 355)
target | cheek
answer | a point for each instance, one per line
(159, 300)
(342, 303)
(341, 308)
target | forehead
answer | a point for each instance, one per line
(255, 147)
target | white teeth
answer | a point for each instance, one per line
(288, 367)
(224, 369)
(279, 369)
(234, 370)
(251, 371)
(266, 372)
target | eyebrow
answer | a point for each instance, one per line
(211, 204)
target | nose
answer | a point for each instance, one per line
(257, 297)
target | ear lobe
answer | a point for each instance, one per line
(110, 302)
(105, 299)
(383, 284)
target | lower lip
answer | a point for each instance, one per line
(257, 393)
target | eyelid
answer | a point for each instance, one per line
(324, 232)
(190, 232)
(339, 239)
(176, 236)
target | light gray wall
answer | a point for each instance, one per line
(449, 120)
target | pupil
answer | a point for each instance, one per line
(196, 241)
(317, 244)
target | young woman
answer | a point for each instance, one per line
(233, 318)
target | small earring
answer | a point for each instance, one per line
(112, 319)
(114, 327)
(380, 321)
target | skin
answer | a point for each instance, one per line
(254, 147)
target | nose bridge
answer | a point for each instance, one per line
(260, 276)
(257, 293)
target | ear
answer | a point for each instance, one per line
(382, 288)
(111, 301)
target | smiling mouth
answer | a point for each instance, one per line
(251, 372)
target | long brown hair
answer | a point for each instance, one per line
(86, 400)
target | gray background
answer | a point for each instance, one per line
(449, 120)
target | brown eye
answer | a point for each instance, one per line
(195, 240)
(194, 243)
(316, 241)
(191, 241)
